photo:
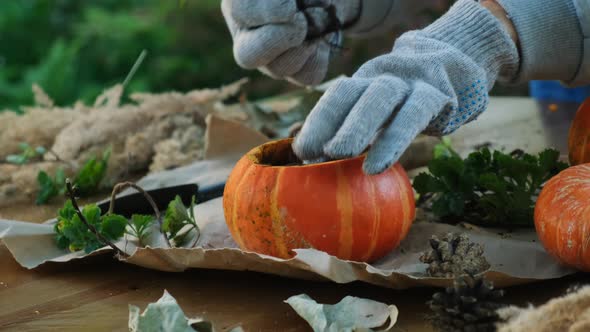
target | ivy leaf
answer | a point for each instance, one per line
(91, 174)
(140, 226)
(47, 188)
(113, 226)
(176, 217)
(72, 233)
(92, 214)
(141, 222)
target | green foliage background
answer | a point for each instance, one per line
(74, 49)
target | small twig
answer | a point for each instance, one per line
(136, 65)
(191, 213)
(91, 227)
(123, 185)
(196, 237)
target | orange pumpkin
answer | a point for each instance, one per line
(562, 216)
(271, 207)
(579, 136)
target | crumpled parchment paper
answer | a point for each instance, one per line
(515, 257)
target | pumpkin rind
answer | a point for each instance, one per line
(333, 207)
(579, 136)
(562, 216)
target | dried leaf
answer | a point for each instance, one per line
(350, 314)
(166, 315)
(225, 138)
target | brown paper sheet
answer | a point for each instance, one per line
(515, 259)
(33, 245)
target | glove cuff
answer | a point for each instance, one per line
(476, 32)
(550, 36)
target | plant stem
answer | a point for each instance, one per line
(196, 228)
(91, 227)
(136, 65)
(123, 185)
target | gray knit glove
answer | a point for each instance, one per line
(433, 81)
(289, 39)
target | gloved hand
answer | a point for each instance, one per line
(433, 81)
(290, 39)
(295, 39)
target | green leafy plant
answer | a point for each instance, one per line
(91, 174)
(74, 234)
(87, 180)
(27, 153)
(179, 218)
(50, 187)
(86, 229)
(140, 227)
(487, 188)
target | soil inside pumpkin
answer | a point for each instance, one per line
(277, 155)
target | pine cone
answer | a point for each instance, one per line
(453, 256)
(469, 305)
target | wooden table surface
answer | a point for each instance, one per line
(94, 294)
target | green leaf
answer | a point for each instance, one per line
(91, 174)
(60, 181)
(47, 188)
(113, 226)
(40, 150)
(67, 212)
(491, 181)
(176, 217)
(350, 314)
(17, 159)
(140, 226)
(449, 204)
(141, 221)
(92, 214)
(488, 187)
(444, 149)
(425, 183)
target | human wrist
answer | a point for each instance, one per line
(549, 36)
(498, 11)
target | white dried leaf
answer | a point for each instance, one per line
(350, 314)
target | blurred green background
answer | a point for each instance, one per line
(74, 49)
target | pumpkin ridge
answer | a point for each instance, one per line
(376, 222)
(405, 201)
(277, 228)
(585, 239)
(238, 236)
(344, 204)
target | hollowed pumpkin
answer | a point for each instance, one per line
(579, 136)
(272, 206)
